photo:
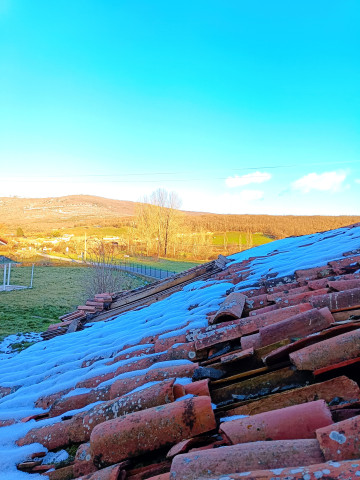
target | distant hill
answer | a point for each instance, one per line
(61, 211)
(36, 215)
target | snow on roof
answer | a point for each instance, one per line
(289, 326)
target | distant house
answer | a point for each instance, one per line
(67, 237)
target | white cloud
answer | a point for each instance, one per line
(357, 180)
(257, 177)
(323, 182)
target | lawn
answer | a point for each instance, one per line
(236, 238)
(176, 266)
(56, 291)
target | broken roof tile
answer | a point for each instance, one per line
(232, 307)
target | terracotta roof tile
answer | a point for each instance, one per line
(328, 352)
(148, 430)
(296, 298)
(83, 463)
(255, 302)
(109, 473)
(346, 470)
(340, 441)
(64, 473)
(300, 325)
(163, 476)
(338, 300)
(313, 273)
(125, 385)
(336, 366)
(260, 311)
(282, 353)
(340, 285)
(294, 422)
(142, 473)
(280, 294)
(244, 458)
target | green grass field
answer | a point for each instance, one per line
(176, 266)
(236, 238)
(56, 291)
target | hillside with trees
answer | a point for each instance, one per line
(153, 227)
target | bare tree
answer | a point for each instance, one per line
(104, 274)
(158, 220)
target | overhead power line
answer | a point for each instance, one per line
(112, 177)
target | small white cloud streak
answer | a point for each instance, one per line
(323, 182)
(257, 177)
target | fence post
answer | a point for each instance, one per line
(32, 275)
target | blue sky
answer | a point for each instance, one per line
(239, 107)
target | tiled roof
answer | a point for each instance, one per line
(5, 260)
(249, 370)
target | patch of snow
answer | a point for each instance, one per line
(55, 457)
(182, 381)
(6, 349)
